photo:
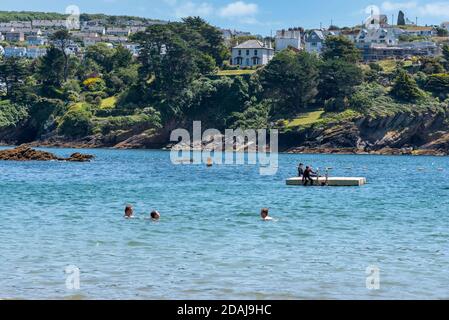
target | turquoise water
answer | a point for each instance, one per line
(210, 243)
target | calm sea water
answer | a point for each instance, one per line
(210, 243)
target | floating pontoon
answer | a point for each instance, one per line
(331, 181)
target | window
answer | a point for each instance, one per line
(314, 44)
(247, 61)
(247, 52)
(255, 52)
(240, 52)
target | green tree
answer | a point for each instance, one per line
(102, 55)
(62, 39)
(122, 57)
(405, 88)
(340, 47)
(291, 79)
(212, 42)
(51, 68)
(439, 85)
(446, 55)
(13, 72)
(338, 81)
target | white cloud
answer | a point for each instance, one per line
(239, 9)
(395, 6)
(193, 9)
(437, 9)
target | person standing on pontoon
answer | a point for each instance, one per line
(307, 176)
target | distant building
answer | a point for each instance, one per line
(137, 29)
(445, 25)
(90, 41)
(36, 41)
(2, 37)
(420, 31)
(314, 41)
(15, 52)
(288, 38)
(49, 23)
(93, 29)
(376, 52)
(119, 32)
(133, 48)
(14, 37)
(2, 51)
(252, 53)
(35, 52)
(351, 34)
(16, 24)
(367, 37)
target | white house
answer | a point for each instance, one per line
(420, 31)
(252, 53)
(288, 38)
(314, 41)
(2, 51)
(15, 52)
(2, 37)
(35, 52)
(387, 36)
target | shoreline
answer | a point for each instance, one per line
(295, 150)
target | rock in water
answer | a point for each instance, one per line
(25, 153)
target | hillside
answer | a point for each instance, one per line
(332, 103)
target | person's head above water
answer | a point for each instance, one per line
(264, 213)
(155, 215)
(129, 211)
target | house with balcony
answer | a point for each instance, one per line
(252, 53)
(383, 36)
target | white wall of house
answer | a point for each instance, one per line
(15, 52)
(288, 38)
(252, 53)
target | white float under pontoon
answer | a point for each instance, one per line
(331, 181)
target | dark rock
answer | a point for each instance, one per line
(26, 153)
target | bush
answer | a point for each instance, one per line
(11, 114)
(76, 123)
(439, 85)
(406, 88)
(94, 84)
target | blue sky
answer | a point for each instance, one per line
(257, 16)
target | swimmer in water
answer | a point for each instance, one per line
(129, 212)
(155, 215)
(265, 215)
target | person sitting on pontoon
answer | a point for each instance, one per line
(300, 170)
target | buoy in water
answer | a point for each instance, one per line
(209, 162)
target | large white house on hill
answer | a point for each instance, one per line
(252, 53)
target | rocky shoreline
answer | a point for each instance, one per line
(26, 153)
(294, 150)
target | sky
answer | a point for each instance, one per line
(256, 16)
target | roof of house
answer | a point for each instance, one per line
(315, 34)
(251, 44)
